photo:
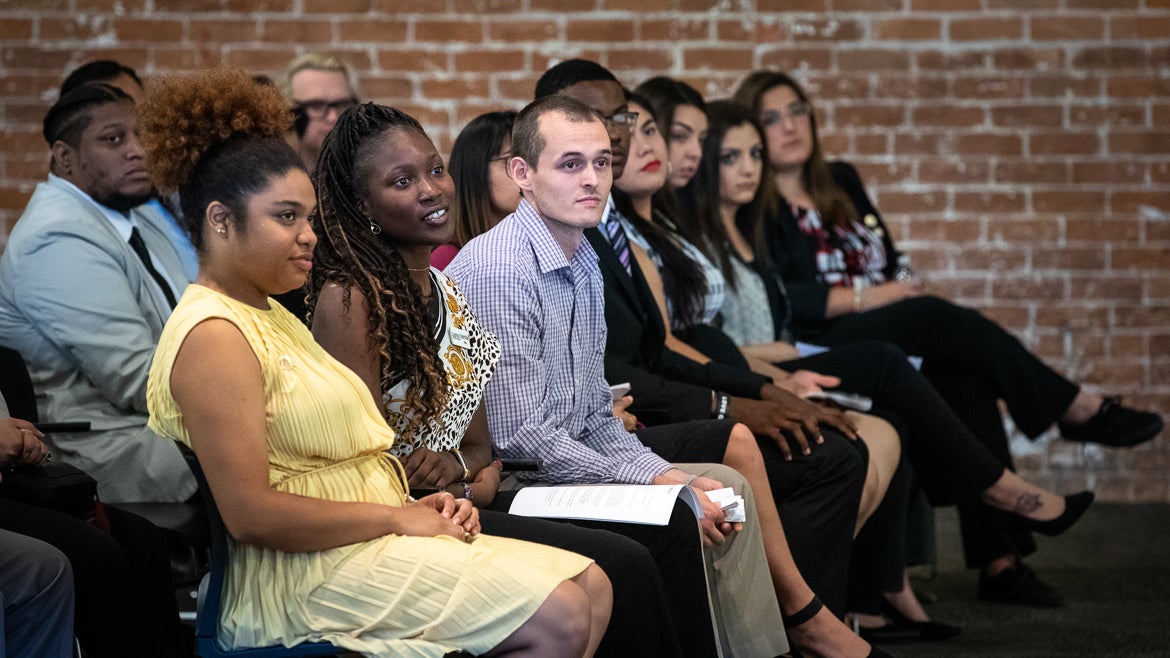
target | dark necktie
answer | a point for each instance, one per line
(139, 248)
(618, 239)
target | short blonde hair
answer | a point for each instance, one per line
(318, 60)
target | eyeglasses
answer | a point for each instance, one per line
(620, 121)
(795, 111)
(318, 109)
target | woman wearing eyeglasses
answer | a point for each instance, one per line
(486, 193)
(845, 283)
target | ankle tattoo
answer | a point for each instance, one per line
(1028, 503)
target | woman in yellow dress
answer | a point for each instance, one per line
(326, 542)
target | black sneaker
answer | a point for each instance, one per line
(1115, 426)
(1020, 585)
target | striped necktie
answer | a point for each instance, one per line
(618, 239)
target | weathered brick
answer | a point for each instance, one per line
(1139, 27)
(1113, 114)
(448, 31)
(1110, 58)
(1150, 142)
(985, 29)
(989, 202)
(1095, 229)
(907, 29)
(948, 115)
(218, 30)
(678, 29)
(1022, 230)
(767, 30)
(873, 60)
(1067, 28)
(513, 31)
(792, 59)
(1021, 172)
(1068, 201)
(600, 30)
(308, 33)
(1138, 86)
(1065, 142)
(379, 31)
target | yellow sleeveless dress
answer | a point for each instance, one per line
(391, 596)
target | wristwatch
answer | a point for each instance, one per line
(463, 463)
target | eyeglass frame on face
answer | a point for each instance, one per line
(794, 112)
(626, 123)
(319, 109)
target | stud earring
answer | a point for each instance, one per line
(221, 230)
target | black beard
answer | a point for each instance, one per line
(122, 202)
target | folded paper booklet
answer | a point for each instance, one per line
(626, 503)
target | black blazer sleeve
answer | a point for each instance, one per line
(667, 387)
(847, 177)
(794, 253)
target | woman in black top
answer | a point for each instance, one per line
(846, 283)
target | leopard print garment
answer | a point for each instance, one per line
(469, 353)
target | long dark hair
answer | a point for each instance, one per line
(473, 152)
(662, 96)
(352, 256)
(683, 280)
(832, 203)
(699, 200)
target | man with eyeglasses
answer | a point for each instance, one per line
(319, 86)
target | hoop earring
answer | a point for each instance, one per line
(374, 228)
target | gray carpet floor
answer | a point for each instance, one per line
(1113, 568)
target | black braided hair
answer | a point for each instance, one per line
(351, 255)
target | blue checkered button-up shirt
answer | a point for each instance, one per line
(548, 397)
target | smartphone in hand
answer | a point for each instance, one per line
(619, 391)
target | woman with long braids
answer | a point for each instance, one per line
(384, 202)
(326, 542)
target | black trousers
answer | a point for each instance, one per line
(817, 495)
(949, 460)
(973, 363)
(641, 622)
(125, 602)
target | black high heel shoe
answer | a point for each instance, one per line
(808, 612)
(1074, 507)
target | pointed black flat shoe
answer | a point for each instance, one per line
(1074, 507)
(926, 630)
(1019, 585)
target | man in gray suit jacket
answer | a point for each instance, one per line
(87, 280)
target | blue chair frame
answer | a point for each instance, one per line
(207, 607)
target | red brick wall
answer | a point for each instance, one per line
(1020, 148)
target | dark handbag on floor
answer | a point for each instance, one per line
(55, 485)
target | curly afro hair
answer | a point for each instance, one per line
(184, 117)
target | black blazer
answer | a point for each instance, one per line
(794, 253)
(667, 387)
